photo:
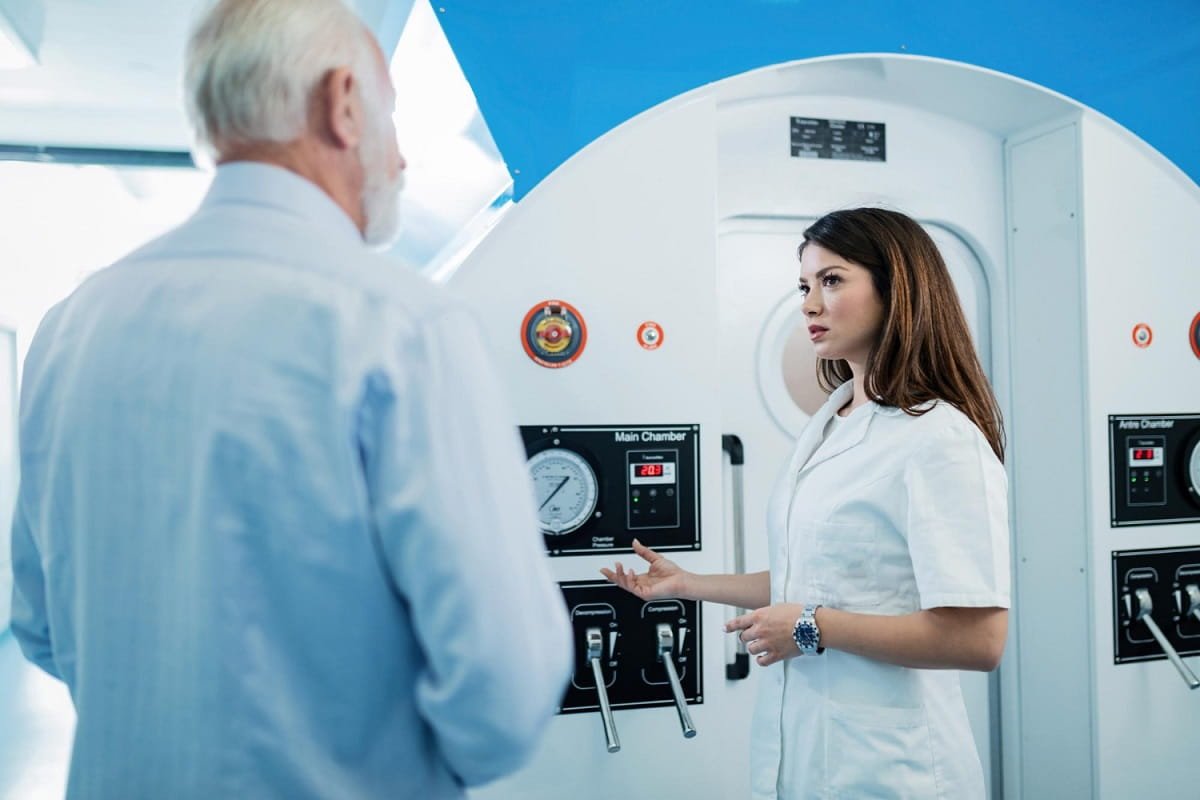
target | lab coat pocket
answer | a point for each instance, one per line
(880, 752)
(843, 566)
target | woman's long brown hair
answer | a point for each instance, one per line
(924, 351)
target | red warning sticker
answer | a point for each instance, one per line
(650, 335)
(553, 334)
(1142, 335)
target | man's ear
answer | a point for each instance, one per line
(342, 112)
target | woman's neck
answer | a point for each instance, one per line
(859, 398)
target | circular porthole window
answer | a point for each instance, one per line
(787, 367)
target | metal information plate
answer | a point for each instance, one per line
(842, 139)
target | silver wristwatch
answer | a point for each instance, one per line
(807, 634)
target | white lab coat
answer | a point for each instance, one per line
(894, 513)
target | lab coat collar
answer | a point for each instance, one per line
(811, 436)
(853, 430)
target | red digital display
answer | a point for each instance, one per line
(1144, 454)
(649, 470)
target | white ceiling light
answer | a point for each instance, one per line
(15, 53)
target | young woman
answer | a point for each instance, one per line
(888, 534)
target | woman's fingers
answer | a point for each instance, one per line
(641, 585)
(745, 628)
(645, 552)
(626, 579)
(758, 648)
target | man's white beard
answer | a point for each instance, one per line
(381, 195)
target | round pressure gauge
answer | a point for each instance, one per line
(565, 489)
(1193, 470)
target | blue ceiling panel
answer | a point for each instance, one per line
(550, 77)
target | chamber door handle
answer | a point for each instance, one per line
(1145, 606)
(732, 444)
(595, 649)
(666, 646)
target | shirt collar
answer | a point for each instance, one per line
(842, 395)
(268, 186)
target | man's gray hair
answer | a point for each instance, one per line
(252, 65)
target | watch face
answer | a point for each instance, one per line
(805, 635)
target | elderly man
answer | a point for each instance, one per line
(267, 486)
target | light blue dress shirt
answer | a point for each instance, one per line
(274, 529)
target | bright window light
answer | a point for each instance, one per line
(14, 53)
(456, 184)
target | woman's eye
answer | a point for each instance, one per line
(803, 290)
(831, 280)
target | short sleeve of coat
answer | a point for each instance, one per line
(957, 520)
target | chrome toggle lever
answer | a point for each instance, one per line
(1144, 608)
(666, 645)
(1192, 594)
(595, 648)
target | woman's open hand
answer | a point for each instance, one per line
(664, 578)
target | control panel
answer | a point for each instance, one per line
(1157, 613)
(632, 653)
(1154, 469)
(598, 487)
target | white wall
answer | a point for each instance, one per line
(1048, 691)
(1141, 240)
(1102, 230)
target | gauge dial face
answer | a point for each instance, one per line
(1194, 468)
(565, 489)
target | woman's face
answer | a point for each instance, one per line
(843, 311)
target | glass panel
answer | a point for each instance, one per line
(456, 185)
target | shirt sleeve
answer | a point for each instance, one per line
(957, 521)
(453, 509)
(30, 623)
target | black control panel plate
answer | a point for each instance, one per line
(1149, 481)
(647, 486)
(842, 139)
(1165, 573)
(633, 673)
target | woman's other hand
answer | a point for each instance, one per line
(664, 578)
(767, 632)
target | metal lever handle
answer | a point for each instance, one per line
(1145, 607)
(666, 645)
(595, 647)
(1193, 595)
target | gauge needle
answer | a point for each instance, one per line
(556, 488)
